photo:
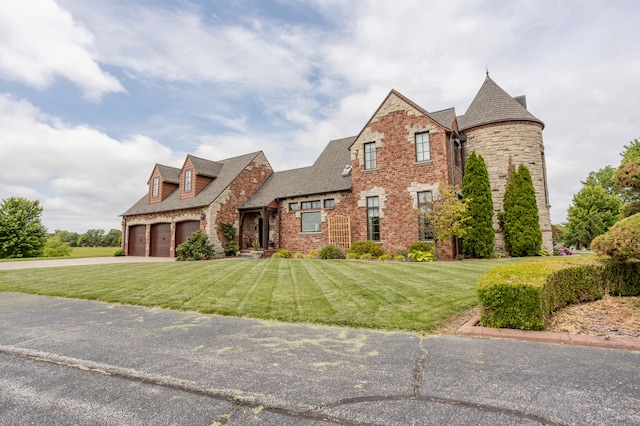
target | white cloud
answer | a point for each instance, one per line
(178, 45)
(40, 42)
(78, 173)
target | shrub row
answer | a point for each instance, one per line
(523, 295)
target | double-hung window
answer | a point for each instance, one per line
(426, 231)
(155, 190)
(422, 147)
(373, 219)
(187, 180)
(370, 155)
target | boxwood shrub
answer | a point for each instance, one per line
(523, 295)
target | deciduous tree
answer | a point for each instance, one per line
(21, 231)
(447, 213)
(592, 212)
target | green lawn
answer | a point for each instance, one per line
(383, 295)
(77, 252)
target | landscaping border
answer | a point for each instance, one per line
(474, 329)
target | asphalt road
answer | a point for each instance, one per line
(89, 363)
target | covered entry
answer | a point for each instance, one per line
(161, 240)
(137, 240)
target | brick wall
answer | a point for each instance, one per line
(290, 232)
(225, 207)
(398, 176)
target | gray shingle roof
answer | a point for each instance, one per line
(325, 175)
(493, 105)
(445, 117)
(204, 167)
(169, 174)
(229, 170)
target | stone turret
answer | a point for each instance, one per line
(500, 128)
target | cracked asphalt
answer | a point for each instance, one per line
(89, 363)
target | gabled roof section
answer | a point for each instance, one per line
(441, 117)
(493, 105)
(325, 175)
(445, 117)
(229, 170)
(169, 174)
(204, 167)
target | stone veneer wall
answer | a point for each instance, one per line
(522, 142)
(397, 176)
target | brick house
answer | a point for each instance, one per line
(367, 187)
(198, 196)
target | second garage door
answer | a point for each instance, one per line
(161, 240)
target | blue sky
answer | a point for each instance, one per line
(93, 94)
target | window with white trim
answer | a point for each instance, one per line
(187, 180)
(423, 152)
(329, 203)
(293, 206)
(155, 189)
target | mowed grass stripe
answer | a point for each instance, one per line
(383, 295)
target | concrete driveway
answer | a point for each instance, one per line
(45, 263)
(79, 362)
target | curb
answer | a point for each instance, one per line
(472, 328)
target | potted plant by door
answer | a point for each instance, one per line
(257, 251)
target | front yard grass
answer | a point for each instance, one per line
(379, 295)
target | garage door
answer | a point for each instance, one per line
(161, 240)
(137, 240)
(185, 229)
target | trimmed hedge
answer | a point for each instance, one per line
(523, 295)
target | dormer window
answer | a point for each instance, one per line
(155, 189)
(187, 180)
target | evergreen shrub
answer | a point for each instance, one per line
(479, 236)
(331, 252)
(366, 247)
(520, 221)
(281, 254)
(523, 295)
(621, 241)
(196, 247)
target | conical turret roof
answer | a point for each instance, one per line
(493, 105)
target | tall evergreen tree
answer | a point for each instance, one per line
(519, 220)
(479, 236)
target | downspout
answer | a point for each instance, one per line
(452, 158)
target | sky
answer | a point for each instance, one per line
(94, 94)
